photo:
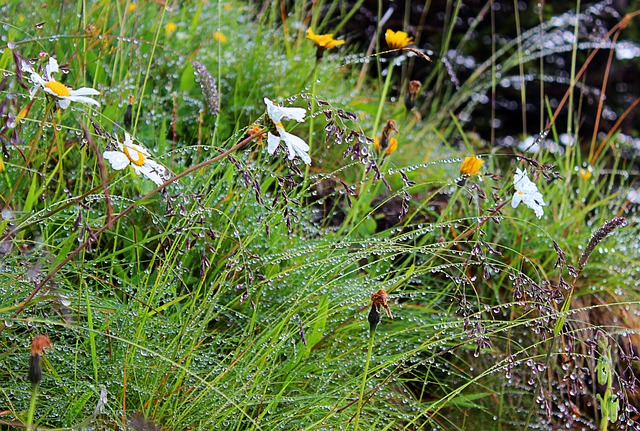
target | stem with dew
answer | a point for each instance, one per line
(364, 378)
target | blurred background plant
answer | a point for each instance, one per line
(236, 297)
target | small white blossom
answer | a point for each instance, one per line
(295, 145)
(138, 157)
(527, 192)
(63, 94)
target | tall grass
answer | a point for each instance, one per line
(235, 293)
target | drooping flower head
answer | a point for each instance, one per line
(136, 156)
(323, 42)
(63, 94)
(471, 166)
(527, 192)
(295, 145)
(397, 39)
(386, 143)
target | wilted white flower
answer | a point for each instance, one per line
(63, 94)
(138, 157)
(295, 145)
(527, 192)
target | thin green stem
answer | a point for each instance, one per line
(364, 379)
(32, 405)
(383, 96)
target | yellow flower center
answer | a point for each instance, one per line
(59, 89)
(134, 156)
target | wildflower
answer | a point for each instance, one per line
(585, 173)
(295, 145)
(256, 130)
(63, 94)
(386, 143)
(170, 27)
(218, 36)
(471, 166)
(323, 42)
(397, 39)
(132, 7)
(390, 148)
(527, 192)
(138, 157)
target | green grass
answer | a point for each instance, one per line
(235, 296)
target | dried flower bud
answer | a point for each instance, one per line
(128, 113)
(374, 318)
(412, 94)
(39, 343)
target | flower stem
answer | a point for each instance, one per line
(364, 378)
(383, 96)
(32, 405)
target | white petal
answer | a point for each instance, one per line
(296, 146)
(37, 79)
(84, 91)
(82, 99)
(117, 159)
(64, 103)
(272, 142)
(52, 67)
(277, 113)
(148, 172)
(517, 198)
(26, 67)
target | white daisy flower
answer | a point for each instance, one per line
(63, 94)
(527, 192)
(295, 145)
(138, 157)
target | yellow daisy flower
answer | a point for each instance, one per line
(219, 37)
(471, 166)
(170, 27)
(323, 41)
(397, 39)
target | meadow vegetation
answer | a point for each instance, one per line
(245, 216)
